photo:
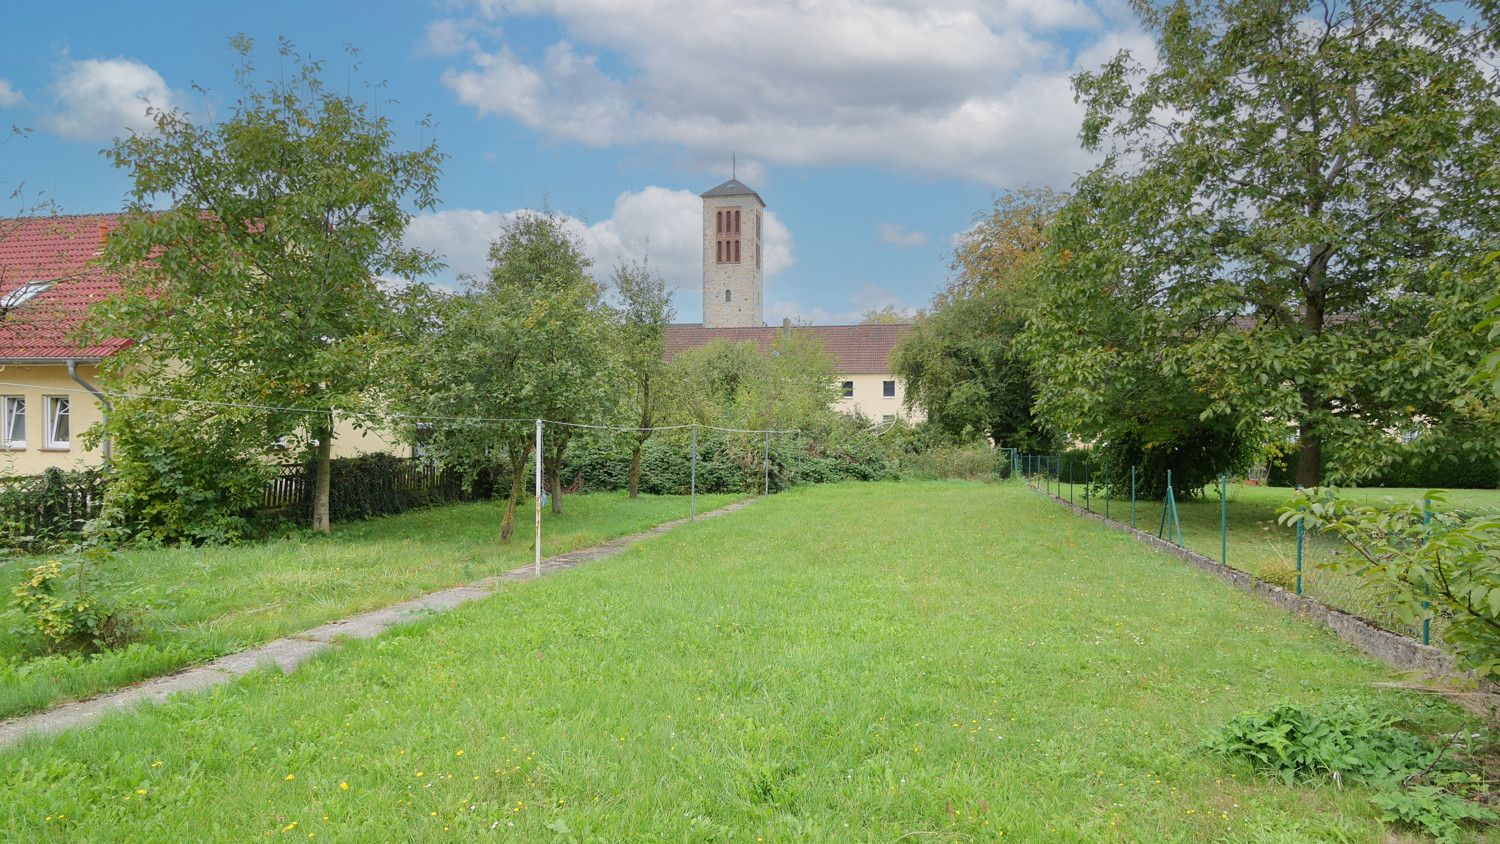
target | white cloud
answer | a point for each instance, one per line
(897, 235)
(665, 224)
(10, 97)
(966, 88)
(868, 297)
(104, 98)
(447, 37)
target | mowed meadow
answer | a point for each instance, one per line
(853, 662)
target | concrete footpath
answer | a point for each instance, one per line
(289, 653)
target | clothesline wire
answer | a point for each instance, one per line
(396, 416)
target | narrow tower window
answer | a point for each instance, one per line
(726, 295)
(728, 235)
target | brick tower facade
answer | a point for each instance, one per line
(733, 267)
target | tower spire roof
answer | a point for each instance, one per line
(733, 187)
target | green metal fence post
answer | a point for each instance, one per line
(1070, 480)
(693, 513)
(1132, 498)
(1224, 520)
(1086, 485)
(1300, 529)
(1426, 622)
(1106, 490)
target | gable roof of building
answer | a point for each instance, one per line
(60, 252)
(732, 188)
(858, 349)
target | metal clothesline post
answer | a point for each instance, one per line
(693, 511)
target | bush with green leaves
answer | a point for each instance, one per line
(1420, 563)
(180, 474)
(1346, 741)
(70, 606)
(1414, 782)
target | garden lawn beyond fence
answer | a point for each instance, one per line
(1244, 532)
(852, 662)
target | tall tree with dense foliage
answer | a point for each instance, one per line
(960, 362)
(645, 311)
(528, 340)
(1285, 196)
(568, 369)
(251, 253)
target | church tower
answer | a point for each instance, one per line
(733, 269)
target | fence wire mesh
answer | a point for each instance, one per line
(1234, 521)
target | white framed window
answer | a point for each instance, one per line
(888, 389)
(848, 389)
(58, 431)
(13, 422)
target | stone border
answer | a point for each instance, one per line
(289, 653)
(1391, 648)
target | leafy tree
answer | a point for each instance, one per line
(788, 386)
(960, 361)
(737, 385)
(1283, 198)
(569, 370)
(528, 340)
(645, 312)
(1003, 246)
(257, 281)
(888, 315)
(960, 365)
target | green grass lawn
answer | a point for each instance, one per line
(1257, 544)
(857, 662)
(207, 602)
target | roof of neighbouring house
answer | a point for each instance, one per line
(732, 188)
(55, 256)
(858, 349)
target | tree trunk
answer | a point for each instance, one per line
(320, 519)
(554, 471)
(1310, 457)
(635, 470)
(1314, 306)
(517, 487)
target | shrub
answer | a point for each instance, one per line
(1419, 566)
(70, 607)
(49, 508)
(1348, 742)
(180, 480)
(727, 462)
(976, 461)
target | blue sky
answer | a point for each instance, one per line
(874, 131)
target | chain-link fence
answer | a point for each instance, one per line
(1235, 521)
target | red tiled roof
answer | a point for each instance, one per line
(60, 250)
(859, 349)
